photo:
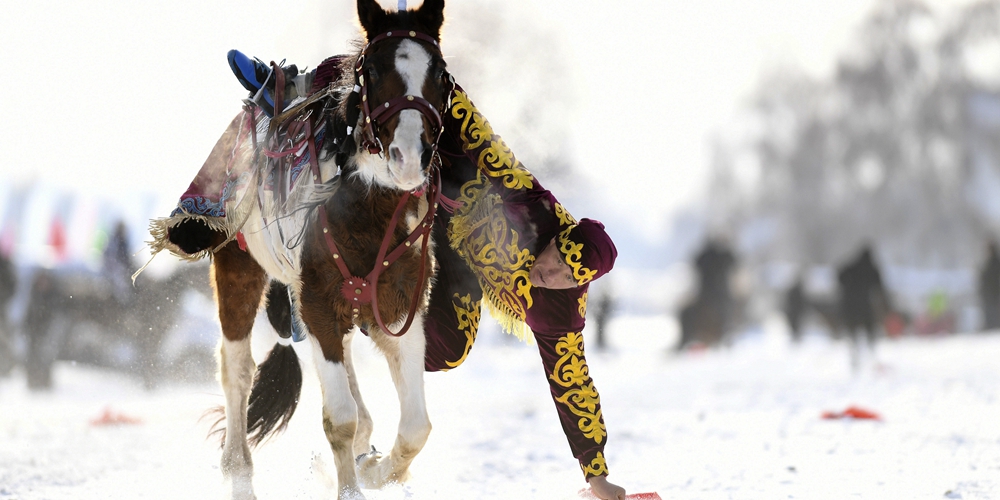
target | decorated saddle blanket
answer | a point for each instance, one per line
(236, 179)
(254, 167)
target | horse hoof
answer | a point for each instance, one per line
(372, 455)
(350, 494)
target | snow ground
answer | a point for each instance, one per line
(737, 423)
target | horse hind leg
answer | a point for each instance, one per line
(239, 285)
(406, 363)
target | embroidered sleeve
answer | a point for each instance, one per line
(576, 399)
(486, 148)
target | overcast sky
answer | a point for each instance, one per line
(124, 100)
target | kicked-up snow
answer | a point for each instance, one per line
(742, 422)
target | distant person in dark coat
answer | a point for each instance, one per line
(605, 306)
(8, 286)
(795, 309)
(117, 264)
(989, 288)
(707, 319)
(863, 300)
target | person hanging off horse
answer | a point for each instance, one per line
(501, 238)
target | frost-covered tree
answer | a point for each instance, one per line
(900, 147)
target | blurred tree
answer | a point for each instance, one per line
(891, 148)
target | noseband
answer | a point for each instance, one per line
(371, 119)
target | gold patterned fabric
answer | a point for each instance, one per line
(596, 467)
(572, 253)
(493, 156)
(468, 323)
(481, 234)
(572, 373)
(502, 220)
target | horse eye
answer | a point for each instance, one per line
(372, 74)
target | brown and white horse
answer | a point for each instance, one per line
(400, 86)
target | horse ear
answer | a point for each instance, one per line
(372, 16)
(431, 15)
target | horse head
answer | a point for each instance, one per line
(404, 89)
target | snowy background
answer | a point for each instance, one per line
(793, 131)
(741, 423)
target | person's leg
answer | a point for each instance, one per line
(258, 78)
(452, 319)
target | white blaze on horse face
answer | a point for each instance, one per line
(404, 154)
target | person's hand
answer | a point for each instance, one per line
(605, 490)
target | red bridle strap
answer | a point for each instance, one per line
(359, 291)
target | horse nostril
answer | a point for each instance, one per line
(395, 154)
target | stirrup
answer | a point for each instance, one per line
(262, 97)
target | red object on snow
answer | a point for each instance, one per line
(589, 495)
(852, 412)
(110, 417)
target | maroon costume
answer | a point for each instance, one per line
(486, 248)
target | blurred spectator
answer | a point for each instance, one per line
(8, 286)
(707, 319)
(117, 264)
(44, 340)
(989, 288)
(603, 308)
(795, 308)
(863, 300)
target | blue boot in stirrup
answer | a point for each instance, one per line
(255, 76)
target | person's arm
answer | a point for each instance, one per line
(576, 399)
(557, 320)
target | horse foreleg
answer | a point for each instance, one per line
(239, 285)
(362, 438)
(406, 363)
(340, 412)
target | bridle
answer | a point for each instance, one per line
(372, 119)
(360, 291)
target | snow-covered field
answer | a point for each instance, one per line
(741, 423)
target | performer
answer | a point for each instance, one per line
(507, 240)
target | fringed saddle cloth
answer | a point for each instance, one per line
(257, 178)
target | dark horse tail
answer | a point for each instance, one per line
(278, 382)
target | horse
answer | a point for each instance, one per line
(351, 252)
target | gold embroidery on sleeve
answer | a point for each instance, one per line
(468, 322)
(573, 255)
(571, 372)
(565, 218)
(583, 305)
(496, 159)
(597, 466)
